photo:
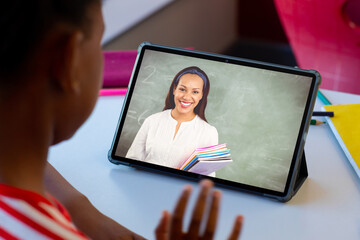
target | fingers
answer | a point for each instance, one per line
(177, 219)
(213, 215)
(162, 230)
(237, 228)
(199, 208)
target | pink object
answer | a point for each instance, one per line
(323, 38)
(112, 91)
(118, 68)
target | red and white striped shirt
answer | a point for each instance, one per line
(28, 215)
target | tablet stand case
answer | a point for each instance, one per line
(301, 175)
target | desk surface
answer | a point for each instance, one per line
(326, 207)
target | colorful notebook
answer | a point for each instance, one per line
(207, 160)
(346, 127)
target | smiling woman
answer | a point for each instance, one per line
(169, 137)
(187, 95)
(189, 80)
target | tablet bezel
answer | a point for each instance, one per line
(289, 190)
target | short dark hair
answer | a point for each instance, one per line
(200, 108)
(25, 23)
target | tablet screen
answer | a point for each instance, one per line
(235, 121)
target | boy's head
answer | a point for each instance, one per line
(52, 48)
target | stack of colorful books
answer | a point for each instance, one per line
(207, 160)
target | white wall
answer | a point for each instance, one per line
(121, 15)
(206, 25)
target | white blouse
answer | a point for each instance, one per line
(155, 142)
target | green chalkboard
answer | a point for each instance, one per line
(256, 112)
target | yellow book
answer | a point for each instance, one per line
(346, 127)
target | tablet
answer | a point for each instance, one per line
(240, 122)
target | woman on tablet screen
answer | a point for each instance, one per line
(169, 137)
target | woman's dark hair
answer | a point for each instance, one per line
(200, 108)
(24, 25)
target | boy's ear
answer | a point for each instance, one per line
(65, 64)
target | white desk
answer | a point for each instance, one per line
(326, 207)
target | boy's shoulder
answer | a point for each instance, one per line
(29, 215)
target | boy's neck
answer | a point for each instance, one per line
(25, 137)
(12, 173)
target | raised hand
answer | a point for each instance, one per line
(171, 225)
